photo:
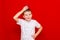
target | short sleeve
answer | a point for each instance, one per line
(37, 24)
(20, 21)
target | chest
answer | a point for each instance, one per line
(28, 25)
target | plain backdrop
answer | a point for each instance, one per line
(46, 12)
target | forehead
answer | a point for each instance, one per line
(27, 12)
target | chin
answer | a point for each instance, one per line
(28, 19)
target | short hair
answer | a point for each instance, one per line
(26, 11)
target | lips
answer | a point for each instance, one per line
(28, 18)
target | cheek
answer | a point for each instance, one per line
(30, 15)
(25, 16)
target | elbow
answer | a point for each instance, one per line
(13, 17)
(41, 28)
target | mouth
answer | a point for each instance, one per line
(28, 18)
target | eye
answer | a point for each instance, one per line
(29, 14)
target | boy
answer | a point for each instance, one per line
(27, 24)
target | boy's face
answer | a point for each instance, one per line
(27, 15)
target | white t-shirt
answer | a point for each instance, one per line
(28, 28)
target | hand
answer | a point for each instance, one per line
(33, 36)
(25, 7)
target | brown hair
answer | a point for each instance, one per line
(26, 11)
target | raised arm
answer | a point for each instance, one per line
(15, 17)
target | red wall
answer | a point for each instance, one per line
(44, 11)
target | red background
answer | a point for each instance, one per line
(44, 11)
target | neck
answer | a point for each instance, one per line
(28, 20)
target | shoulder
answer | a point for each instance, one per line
(33, 20)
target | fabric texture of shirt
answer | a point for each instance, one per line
(28, 28)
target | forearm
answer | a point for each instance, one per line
(38, 32)
(18, 14)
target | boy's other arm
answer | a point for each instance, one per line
(38, 32)
(19, 13)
